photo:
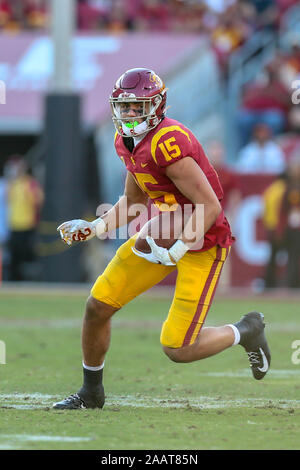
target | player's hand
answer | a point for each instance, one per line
(161, 255)
(76, 230)
(80, 230)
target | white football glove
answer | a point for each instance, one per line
(80, 230)
(161, 255)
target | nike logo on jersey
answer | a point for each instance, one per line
(143, 165)
(265, 366)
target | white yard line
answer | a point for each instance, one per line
(42, 438)
(201, 402)
(36, 400)
(15, 441)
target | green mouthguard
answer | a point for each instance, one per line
(131, 125)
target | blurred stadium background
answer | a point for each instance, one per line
(230, 66)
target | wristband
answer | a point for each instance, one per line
(99, 226)
(177, 251)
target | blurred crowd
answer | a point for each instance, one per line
(226, 23)
(21, 199)
(17, 15)
(229, 22)
(280, 199)
(268, 99)
(281, 218)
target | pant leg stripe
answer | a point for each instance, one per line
(201, 304)
(202, 317)
(208, 301)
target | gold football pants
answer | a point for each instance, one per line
(127, 276)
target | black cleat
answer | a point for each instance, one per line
(76, 402)
(251, 328)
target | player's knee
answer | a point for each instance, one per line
(97, 310)
(171, 339)
(175, 354)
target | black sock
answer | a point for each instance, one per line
(92, 391)
(92, 381)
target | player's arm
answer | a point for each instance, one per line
(123, 212)
(193, 184)
(120, 214)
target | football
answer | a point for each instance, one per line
(164, 228)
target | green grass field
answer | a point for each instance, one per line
(151, 402)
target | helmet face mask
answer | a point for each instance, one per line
(137, 87)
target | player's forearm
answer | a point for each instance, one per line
(123, 212)
(200, 221)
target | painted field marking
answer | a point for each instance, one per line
(15, 441)
(35, 401)
(42, 438)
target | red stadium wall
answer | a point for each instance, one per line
(250, 252)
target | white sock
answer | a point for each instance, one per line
(93, 368)
(237, 336)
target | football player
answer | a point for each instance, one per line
(166, 164)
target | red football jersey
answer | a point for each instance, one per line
(168, 142)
